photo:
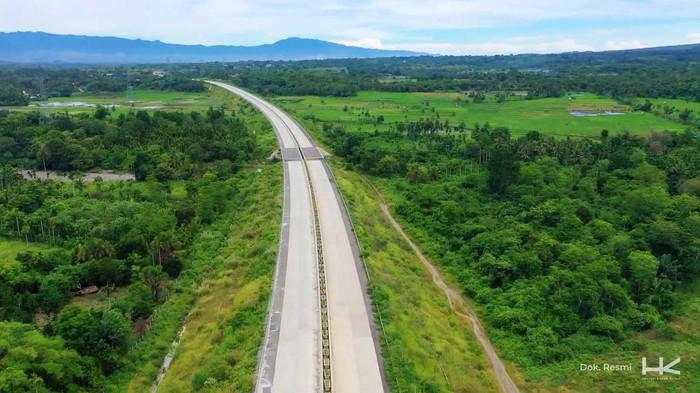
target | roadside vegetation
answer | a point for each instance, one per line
(225, 326)
(137, 250)
(425, 346)
(223, 306)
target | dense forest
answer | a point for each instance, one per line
(672, 72)
(632, 81)
(569, 245)
(132, 239)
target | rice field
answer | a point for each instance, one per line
(370, 110)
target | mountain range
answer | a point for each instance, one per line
(39, 47)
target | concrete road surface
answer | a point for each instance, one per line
(355, 365)
(290, 360)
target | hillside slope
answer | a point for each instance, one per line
(28, 47)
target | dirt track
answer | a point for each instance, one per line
(458, 305)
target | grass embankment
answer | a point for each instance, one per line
(225, 327)
(547, 115)
(224, 330)
(426, 347)
(222, 296)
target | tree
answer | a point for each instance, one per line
(644, 107)
(154, 278)
(144, 165)
(691, 186)
(101, 112)
(31, 362)
(642, 271)
(644, 203)
(388, 165)
(11, 96)
(100, 333)
(606, 325)
(55, 152)
(685, 115)
(503, 169)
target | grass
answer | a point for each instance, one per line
(10, 248)
(679, 104)
(548, 115)
(218, 350)
(228, 275)
(221, 297)
(426, 348)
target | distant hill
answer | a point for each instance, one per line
(38, 47)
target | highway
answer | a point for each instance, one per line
(319, 335)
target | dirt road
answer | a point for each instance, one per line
(458, 305)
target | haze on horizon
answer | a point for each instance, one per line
(451, 27)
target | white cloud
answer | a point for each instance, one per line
(515, 45)
(374, 43)
(374, 23)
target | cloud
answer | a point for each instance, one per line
(455, 26)
(374, 43)
(515, 45)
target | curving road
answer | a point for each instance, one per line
(320, 335)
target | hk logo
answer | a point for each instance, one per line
(661, 369)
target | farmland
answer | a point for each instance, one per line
(548, 115)
(149, 100)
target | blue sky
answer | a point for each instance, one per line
(446, 27)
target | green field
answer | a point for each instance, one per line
(137, 99)
(548, 115)
(677, 103)
(10, 248)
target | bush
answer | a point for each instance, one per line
(606, 325)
